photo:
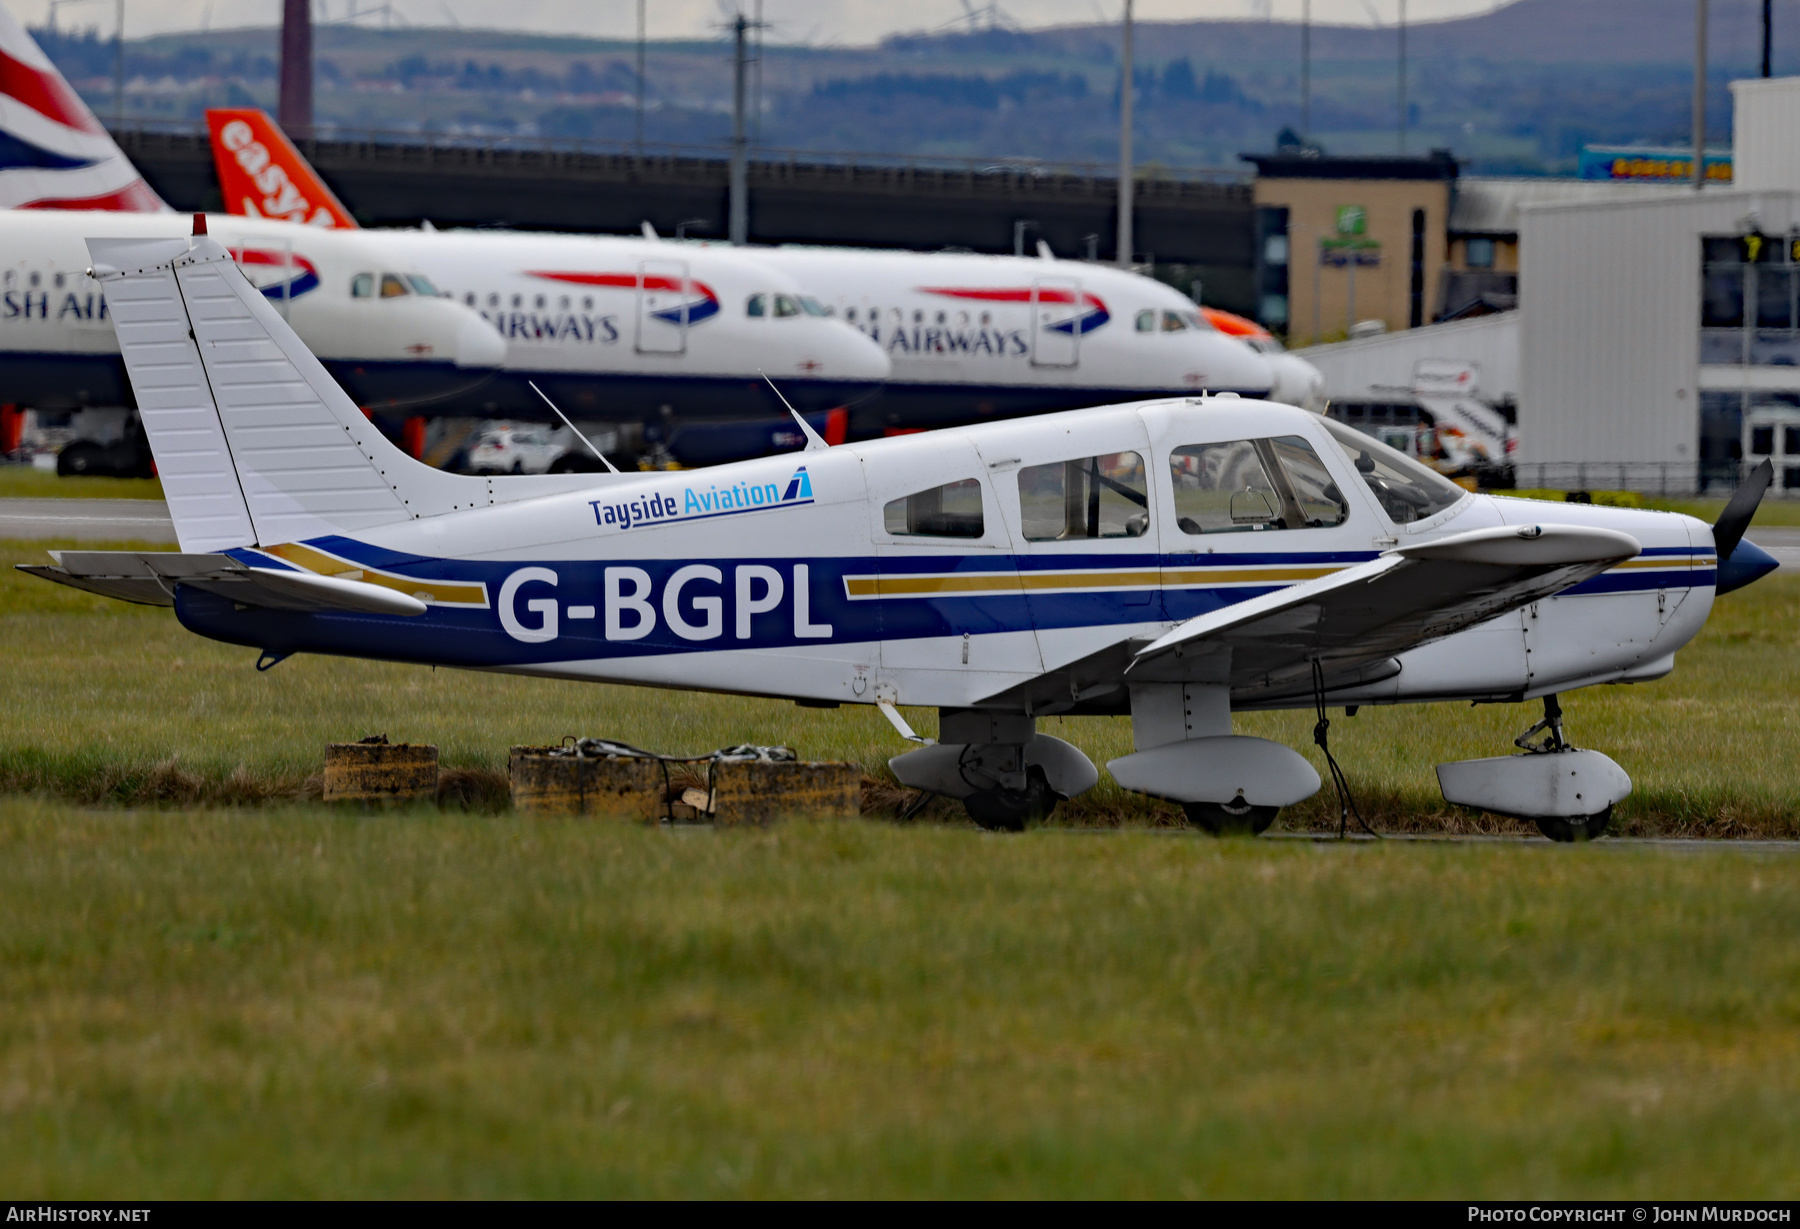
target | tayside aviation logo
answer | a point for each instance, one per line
(698, 503)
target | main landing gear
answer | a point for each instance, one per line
(1004, 772)
(1567, 792)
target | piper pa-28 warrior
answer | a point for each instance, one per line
(1173, 560)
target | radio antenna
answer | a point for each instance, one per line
(813, 442)
(611, 468)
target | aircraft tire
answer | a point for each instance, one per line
(1010, 810)
(1571, 831)
(1229, 819)
(78, 458)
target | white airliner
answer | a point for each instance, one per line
(612, 328)
(969, 337)
(59, 169)
(631, 333)
(974, 337)
(376, 323)
(1172, 560)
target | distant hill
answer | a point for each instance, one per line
(1520, 89)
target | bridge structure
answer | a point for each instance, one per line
(1191, 224)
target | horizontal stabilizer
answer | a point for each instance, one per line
(150, 578)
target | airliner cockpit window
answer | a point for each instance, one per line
(1249, 485)
(1091, 497)
(949, 511)
(422, 284)
(1146, 322)
(785, 306)
(362, 286)
(392, 287)
(757, 306)
(812, 306)
(1174, 322)
(1406, 490)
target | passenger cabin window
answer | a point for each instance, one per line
(392, 287)
(757, 306)
(1248, 485)
(362, 286)
(1406, 490)
(1146, 322)
(949, 511)
(1092, 497)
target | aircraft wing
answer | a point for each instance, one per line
(1353, 622)
(149, 578)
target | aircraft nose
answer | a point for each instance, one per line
(478, 345)
(862, 358)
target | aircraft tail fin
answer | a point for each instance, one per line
(261, 174)
(255, 442)
(54, 154)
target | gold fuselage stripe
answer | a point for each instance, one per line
(438, 592)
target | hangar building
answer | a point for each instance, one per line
(1659, 342)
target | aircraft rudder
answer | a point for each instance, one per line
(262, 174)
(54, 152)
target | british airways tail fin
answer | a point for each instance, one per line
(255, 442)
(261, 174)
(53, 153)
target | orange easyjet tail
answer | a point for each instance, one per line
(261, 174)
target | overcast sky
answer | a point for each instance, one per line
(845, 22)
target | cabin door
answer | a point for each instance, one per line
(950, 601)
(664, 299)
(1055, 322)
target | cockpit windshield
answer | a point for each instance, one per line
(422, 284)
(1406, 490)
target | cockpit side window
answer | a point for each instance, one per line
(1223, 488)
(757, 306)
(362, 286)
(949, 511)
(785, 306)
(1406, 490)
(1091, 497)
(1146, 322)
(392, 286)
(1248, 485)
(1174, 322)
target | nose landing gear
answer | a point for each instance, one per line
(1567, 792)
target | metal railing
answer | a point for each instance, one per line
(493, 146)
(1663, 478)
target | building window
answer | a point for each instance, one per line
(1480, 253)
(1415, 314)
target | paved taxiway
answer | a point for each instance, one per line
(147, 520)
(87, 520)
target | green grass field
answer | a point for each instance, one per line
(211, 988)
(23, 481)
(292, 1003)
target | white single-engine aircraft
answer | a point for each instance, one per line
(1174, 560)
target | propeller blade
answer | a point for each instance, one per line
(1728, 530)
